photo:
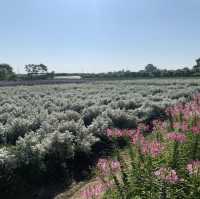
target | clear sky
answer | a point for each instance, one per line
(99, 35)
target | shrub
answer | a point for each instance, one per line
(89, 114)
(122, 120)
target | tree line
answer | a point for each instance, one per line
(40, 71)
(151, 71)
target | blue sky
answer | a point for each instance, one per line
(99, 35)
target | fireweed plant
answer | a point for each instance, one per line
(163, 165)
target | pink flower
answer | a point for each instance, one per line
(157, 125)
(167, 175)
(115, 165)
(107, 166)
(194, 167)
(152, 148)
(178, 137)
(137, 137)
(114, 133)
(172, 177)
(93, 191)
(195, 129)
(181, 126)
(161, 172)
(119, 133)
(103, 166)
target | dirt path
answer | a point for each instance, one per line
(75, 191)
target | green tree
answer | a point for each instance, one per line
(6, 72)
(36, 69)
(152, 70)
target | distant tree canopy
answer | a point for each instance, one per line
(6, 72)
(150, 68)
(150, 71)
(36, 69)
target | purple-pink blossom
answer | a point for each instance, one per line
(195, 129)
(106, 166)
(152, 148)
(178, 137)
(167, 175)
(93, 191)
(181, 126)
(137, 137)
(119, 133)
(194, 167)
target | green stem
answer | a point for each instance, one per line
(175, 155)
(195, 147)
(163, 191)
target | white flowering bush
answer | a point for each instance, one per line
(122, 119)
(16, 128)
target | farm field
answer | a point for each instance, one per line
(46, 131)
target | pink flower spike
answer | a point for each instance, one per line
(195, 130)
(172, 177)
(107, 166)
(93, 191)
(194, 167)
(137, 137)
(178, 137)
(152, 148)
(167, 175)
(119, 133)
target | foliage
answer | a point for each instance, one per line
(35, 69)
(6, 72)
(37, 72)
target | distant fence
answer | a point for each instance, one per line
(38, 82)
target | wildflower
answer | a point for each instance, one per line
(157, 125)
(106, 166)
(119, 133)
(137, 137)
(102, 166)
(193, 167)
(178, 137)
(167, 175)
(195, 130)
(115, 165)
(153, 148)
(181, 126)
(93, 191)
(172, 177)
(160, 172)
(114, 133)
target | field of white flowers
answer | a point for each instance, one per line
(45, 131)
